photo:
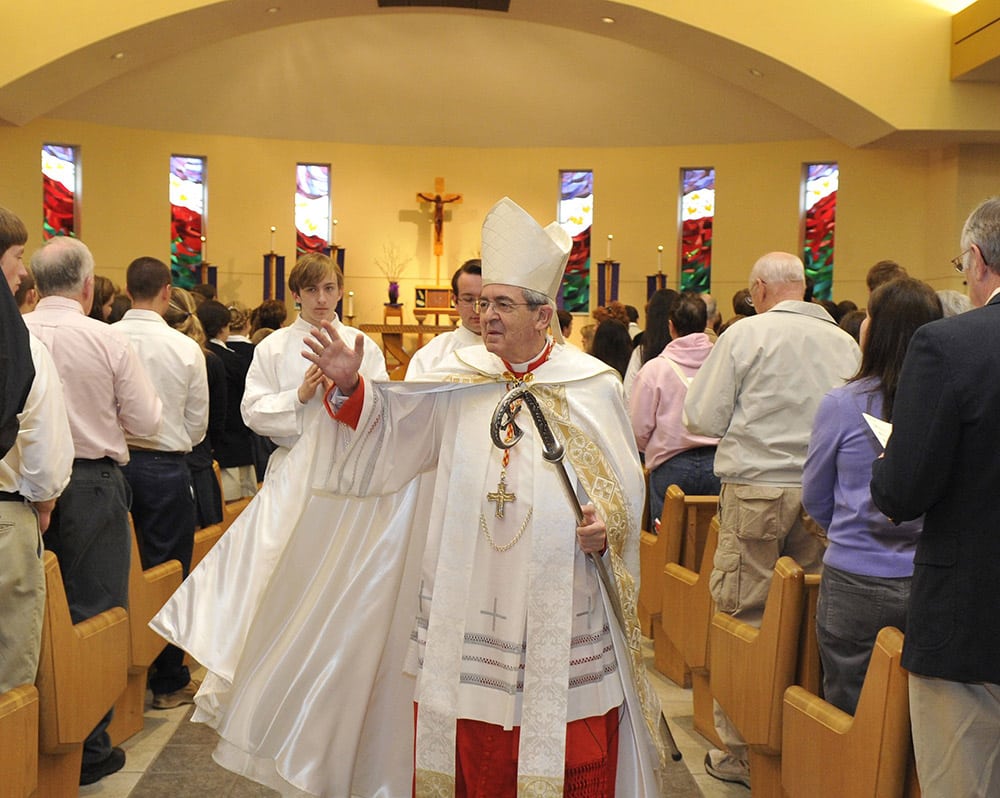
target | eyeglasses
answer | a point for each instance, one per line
(959, 263)
(466, 301)
(503, 306)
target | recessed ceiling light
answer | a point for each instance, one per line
(273, 10)
(608, 20)
(118, 56)
(755, 72)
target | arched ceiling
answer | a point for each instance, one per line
(547, 73)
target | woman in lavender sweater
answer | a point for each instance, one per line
(869, 562)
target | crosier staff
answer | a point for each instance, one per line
(553, 452)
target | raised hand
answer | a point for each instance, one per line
(335, 359)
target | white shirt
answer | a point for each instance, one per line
(438, 348)
(760, 388)
(270, 403)
(176, 366)
(38, 465)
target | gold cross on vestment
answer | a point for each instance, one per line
(501, 496)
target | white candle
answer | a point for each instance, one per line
(333, 235)
(273, 228)
(204, 249)
(350, 303)
(610, 239)
(659, 258)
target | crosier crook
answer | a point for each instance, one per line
(553, 452)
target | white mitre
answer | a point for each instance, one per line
(518, 251)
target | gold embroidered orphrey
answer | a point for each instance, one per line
(604, 489)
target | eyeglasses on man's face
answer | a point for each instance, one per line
(502, 305)
(466, 300)
(959, 262)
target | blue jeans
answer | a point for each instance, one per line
(850, 612)
(692, 471)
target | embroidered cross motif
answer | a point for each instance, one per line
(421, 596)
(589, 611)
(494, 614)
(501, 496)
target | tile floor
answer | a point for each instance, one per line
(184, 768)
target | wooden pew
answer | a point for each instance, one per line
(751, 669)
(19, 742)
(81, 671)
(827, 753)
(684, 523)
(147, 592)
(685, 621)
(809, 670)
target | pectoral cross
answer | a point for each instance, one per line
(500, 496)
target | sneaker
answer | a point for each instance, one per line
(727, 767)
(96, 771)
(178, 697)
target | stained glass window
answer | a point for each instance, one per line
(819, 203)
(60, 180)
(697, 215)
(188, 200)
(576, 215)
(312, 207)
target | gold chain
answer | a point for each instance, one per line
(517, 537)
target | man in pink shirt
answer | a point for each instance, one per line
(107, 394)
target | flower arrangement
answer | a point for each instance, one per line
(392, 264)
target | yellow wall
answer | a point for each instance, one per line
(906, 205)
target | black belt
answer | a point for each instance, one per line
(7, 496)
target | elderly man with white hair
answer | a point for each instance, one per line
(758, 392)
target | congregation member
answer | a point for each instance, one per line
(104, 298)
(108, 395)
(518, 668)
(882, 272)
(182, 316)
(282, 389)
(466, 284)
(233, 447)
(653, 338)
(565, 324)
(674, 456)
(632, 312)
(758, 392)
(612, 345)
(34, 469)
(26, 295)
(869, 560)
(954, 302)
(941, 462)
(163, 507)
(714, 317)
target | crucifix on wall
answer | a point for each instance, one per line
(439, 199)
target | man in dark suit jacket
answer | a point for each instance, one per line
(944, 460)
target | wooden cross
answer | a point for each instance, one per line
(440, 199)
(501, 496)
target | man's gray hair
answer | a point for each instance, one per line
(61, 266)
(982, 228)
(711, 306)
(778, 267)
(535, 298)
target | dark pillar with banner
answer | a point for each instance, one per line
(607, 281)
(274, 276)
(655, 282)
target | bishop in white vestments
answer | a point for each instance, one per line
(469, 592)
